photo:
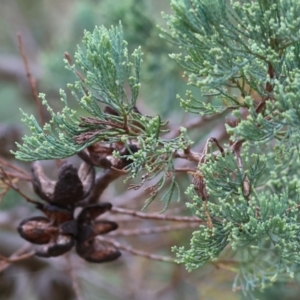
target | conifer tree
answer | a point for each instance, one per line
(243, 57)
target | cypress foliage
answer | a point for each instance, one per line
(244, 56)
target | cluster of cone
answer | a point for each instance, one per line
(59, 230)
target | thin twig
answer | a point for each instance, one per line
(70, 61)
(156, 216)
(136, 252)
(4, 264)
(184, 170)
(188, 154)
(196, 156)
(31, 79)
(196, 123)
(80, 76)
(228, 261)
(218, 145)
(75, 284)
(7, 180)
(18, 258)
(18, 176)
(246, 185)
(152, 230)
(11, 166)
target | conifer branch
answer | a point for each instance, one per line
(243, 59)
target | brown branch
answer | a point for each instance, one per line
(19, 176)
(184, 170)
(136, 252)
(152, 230)
(155, 216)
(269, 88)
(7, 180)
(188, 154)
(226, 265)
(218, 134)
(31, 79)
(5, 263)
(218, 145)
(201, 157)
(11, 166)
(17, 258)
(103, 179)
(70, 61)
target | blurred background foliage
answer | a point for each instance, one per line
(48, 29)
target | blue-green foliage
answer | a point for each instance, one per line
(107, 69)
(110, 77)
(259, 225)
(245, 58)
